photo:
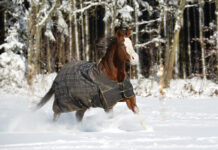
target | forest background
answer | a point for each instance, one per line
(177, 37)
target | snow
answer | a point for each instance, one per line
(146, 6)
(185, 119)
(18, 1)
(121, 2)
(47, 14)
(179, 88)
(62, 25)
(177, 27)
(13, 76)
(155, 40)
(185, 124)
(125, 13)
(12, 68)
(49, 33)
(12, 40)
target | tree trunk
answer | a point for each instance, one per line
(31, 30)
(38, 46)
(162, 24)
(195, 57)
(138, 71)
(216, 37)
(189, 43)
(167, 25)
(105, 29)
(114, 18)
(60, 52)
(161, 27)
(2, 27)
(201, 26)
(48, 55)
(76, 31)
(37, 36)
(182, 54)
(35, 25)
(87, 36)
(82, 30)
(70, 36)
(176, 66)
(168, 69)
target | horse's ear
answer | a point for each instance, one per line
(119, 33)
(128, 33)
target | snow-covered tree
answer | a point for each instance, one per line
(16, 26)
(118, 13)
(53, 32)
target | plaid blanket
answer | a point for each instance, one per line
(82, 85)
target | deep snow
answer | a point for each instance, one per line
(186, 124)
(186, 120)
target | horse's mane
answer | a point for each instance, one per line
(103, 45)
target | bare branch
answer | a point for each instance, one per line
(51, 11)
(155, 40)
(147, 22)
(89, 6)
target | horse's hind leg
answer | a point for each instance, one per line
(56, 116)
(80, 114)
(109, 110)
(56, 110)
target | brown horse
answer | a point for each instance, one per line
(119, 52)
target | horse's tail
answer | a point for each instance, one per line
(46, 98)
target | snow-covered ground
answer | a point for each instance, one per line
(187, 119)
(175, 124)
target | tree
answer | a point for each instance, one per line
(2, 27)
(216, 37)
(147, 35)
(168, 67)
(53, 32)
(15, 27)
(35, 24)
(75, 30)
(201, 25)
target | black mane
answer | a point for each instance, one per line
(103, 45)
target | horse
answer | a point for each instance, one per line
(70, 96)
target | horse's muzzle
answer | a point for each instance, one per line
(134, 59)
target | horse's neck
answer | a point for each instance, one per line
(113, 69)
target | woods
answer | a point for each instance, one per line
(178, 36)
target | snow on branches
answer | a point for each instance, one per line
(15, 26)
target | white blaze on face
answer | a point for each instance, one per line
(134, 58)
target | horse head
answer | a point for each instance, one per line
(125, 50)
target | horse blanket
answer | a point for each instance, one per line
(82, 85)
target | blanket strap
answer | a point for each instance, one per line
(121, 87)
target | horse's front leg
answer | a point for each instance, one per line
(131, 103)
